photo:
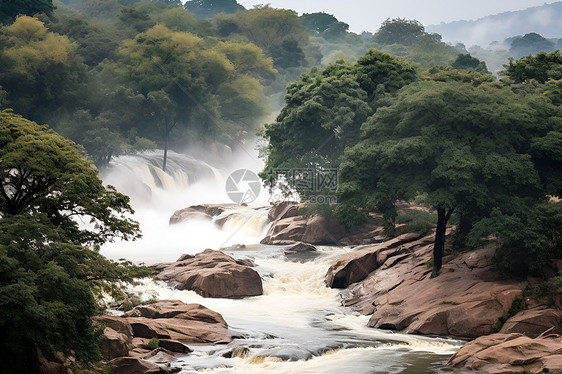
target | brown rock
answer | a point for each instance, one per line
(213, 274)
(357, 265)
(463, 301)
(534, 322)
(134, 365)
(114, 344)
(284, 209)
(173, 345)
(313, 230)
(176, 321)
(202, 212)
(301, 247)
(148, 328)
(511, 353)
(118, 324)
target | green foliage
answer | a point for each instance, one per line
(318, 21)
(152, 344)
(516, 306)
(530, 236)
(399, 31)
(531, 44)
(542, 67)
(324, 111)
(40, 69)
(417, 220)
(10, 9)
(51, 274)
(465, 61)
(546, 291)
(430, 138)
(279, 32)
(203, 9)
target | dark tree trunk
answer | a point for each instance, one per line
(439, 245)
(165, 153)
(169, 127)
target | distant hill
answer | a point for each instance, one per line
(545, 20)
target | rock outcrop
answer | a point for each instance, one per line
(511, 354)
(534, 322)
(174, 323)
(465, 300)
(212, 274)
(358, 264)
(201, 212)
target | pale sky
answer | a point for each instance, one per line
(363, 15)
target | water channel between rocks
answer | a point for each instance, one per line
(298, 325)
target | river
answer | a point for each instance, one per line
(297, 325)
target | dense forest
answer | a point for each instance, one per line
(400, 114)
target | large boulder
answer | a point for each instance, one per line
(173, 320)
(118, 324)
(284, 209)
(313, 230)
(114, 344)
(466, 300)
(357, 265)
(511, 354)
(534, 322)
(212, 274)
(201, 212)
(135, 365)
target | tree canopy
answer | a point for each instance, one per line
(324, 111)
(464, 142)
(10, 9)
(54, 213)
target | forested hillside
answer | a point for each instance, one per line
(401, 116)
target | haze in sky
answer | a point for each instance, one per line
(367, 15)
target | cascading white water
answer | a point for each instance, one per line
(298, 325)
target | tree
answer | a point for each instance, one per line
(183, 78)
(40, 69)
(399, 31)
(10, 9)
(324, 111)
(541, 67)
(466, 61)
(530, 44)
(318, 22)
(279, 32)
(203, 9)
(462, 140)
(52, 276)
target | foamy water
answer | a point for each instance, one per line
(298, 324)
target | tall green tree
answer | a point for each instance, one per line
(530, 44)
(183, 78)
(541, 67)
(203, 9)
(462, 139)
(52, 276)
(399, 31)
(41, 70)
(324, 111)
(10, 9)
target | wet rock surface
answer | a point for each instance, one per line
(173, 323)
(511, 354)
(465, 300)
(212, 274)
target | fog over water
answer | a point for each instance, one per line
(298, 325)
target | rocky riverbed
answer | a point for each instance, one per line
(387, 280)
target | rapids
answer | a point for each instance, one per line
(298, 325)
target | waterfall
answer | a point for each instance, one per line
(298, 324)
